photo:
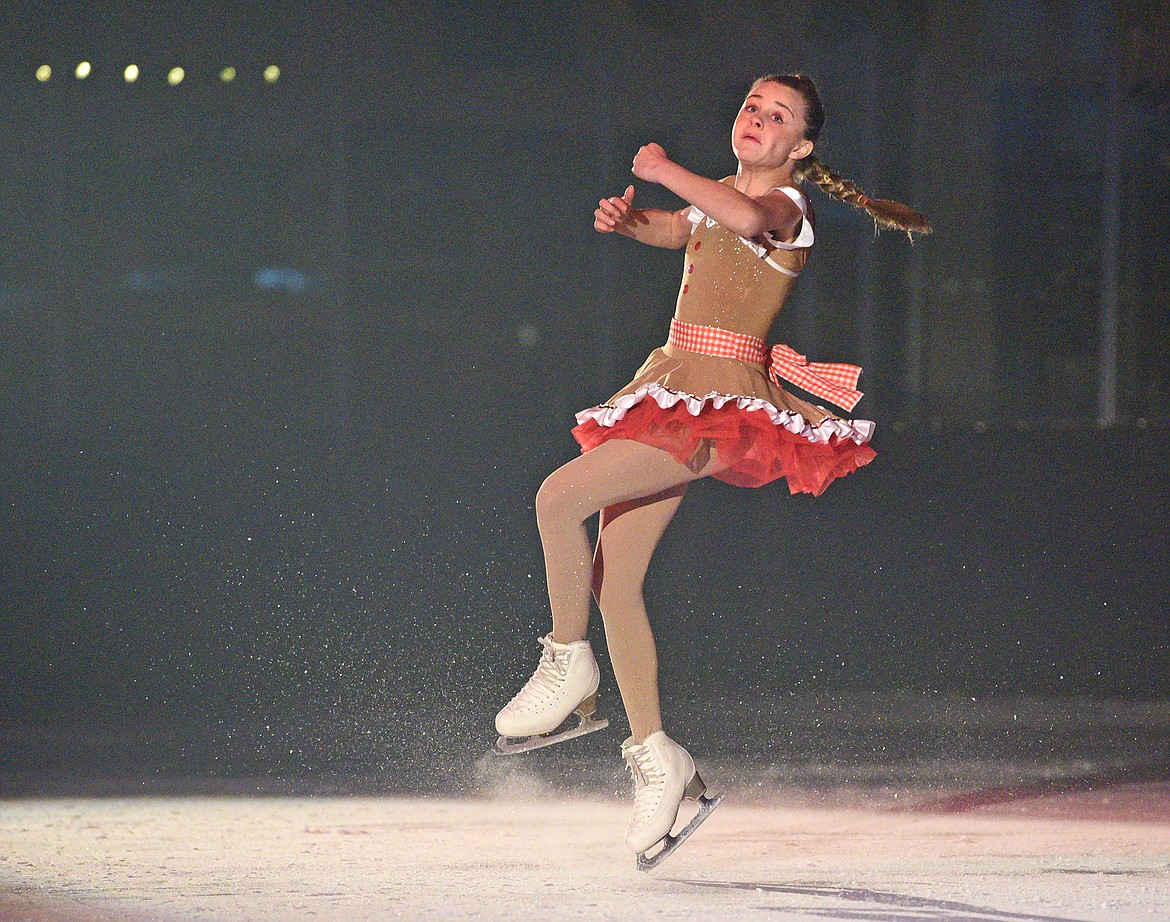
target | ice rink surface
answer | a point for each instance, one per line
(1100, 854)
(888, 809)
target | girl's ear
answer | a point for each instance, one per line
(802, 150)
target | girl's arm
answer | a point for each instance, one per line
(749, 217)
(647, 225)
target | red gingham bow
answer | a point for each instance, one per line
(836, 382)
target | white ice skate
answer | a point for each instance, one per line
(664, 775)
(564, 683)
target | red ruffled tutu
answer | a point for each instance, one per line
(756, 441)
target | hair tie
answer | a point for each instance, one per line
(862, 200)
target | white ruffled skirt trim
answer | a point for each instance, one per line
(857, 430)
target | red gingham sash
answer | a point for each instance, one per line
(836, 382)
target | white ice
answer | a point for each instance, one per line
(1087, 857)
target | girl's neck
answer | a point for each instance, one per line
(754, 181)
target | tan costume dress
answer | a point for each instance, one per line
(691, 402)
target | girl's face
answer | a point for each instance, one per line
(769, 130)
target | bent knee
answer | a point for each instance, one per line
(557, 504)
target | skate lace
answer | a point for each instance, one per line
(549, 675)
(649, 780)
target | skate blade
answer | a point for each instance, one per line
(647, 862)
(585, 724)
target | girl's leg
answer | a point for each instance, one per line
(629, 533)
(613, 472)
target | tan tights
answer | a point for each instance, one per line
(637, 489)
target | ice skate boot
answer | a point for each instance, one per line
(664, 775)
(564, 683)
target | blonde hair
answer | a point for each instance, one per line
(885, 212)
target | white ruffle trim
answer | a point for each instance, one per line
(858, 430)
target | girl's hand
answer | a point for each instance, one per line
(648, 162)
(616, 214)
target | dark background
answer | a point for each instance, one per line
(283, 365)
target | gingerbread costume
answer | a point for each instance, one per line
(714, 386)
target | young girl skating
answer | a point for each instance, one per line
(709, 403)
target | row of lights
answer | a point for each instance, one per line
(175, 75)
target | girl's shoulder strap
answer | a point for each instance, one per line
(806, 236)
(803, 240)
(796, 194)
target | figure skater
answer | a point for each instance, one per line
(708, 403)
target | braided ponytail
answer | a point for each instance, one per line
(886, 213)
